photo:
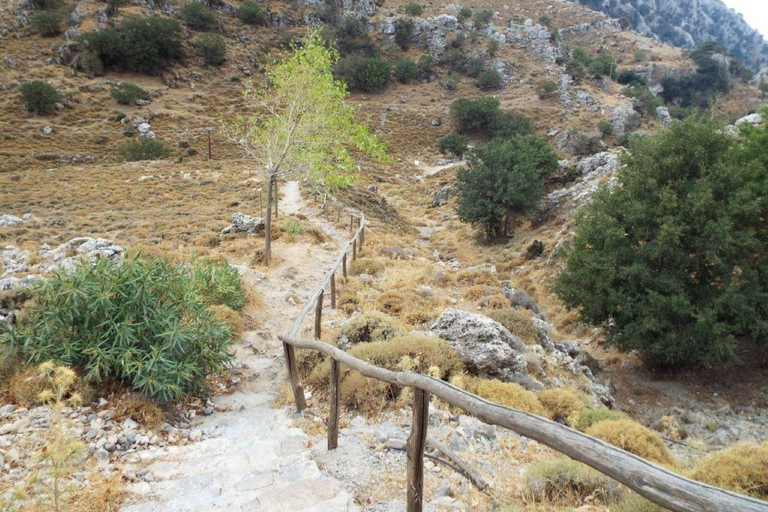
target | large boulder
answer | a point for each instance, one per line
(624, 120)
(486, 347)
(242, 223)
(521, 299)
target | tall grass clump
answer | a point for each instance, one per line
(142, 320)
(144, 149)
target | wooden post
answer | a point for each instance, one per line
(333, 290)
(362, 237)
(351, 222)
(276, 187)
(415, 450)
(354, 250)
(209, 130)
(319, 314)
(293, 375)
(333, 413)
(268, 221)
(344, 265)
(261, 204)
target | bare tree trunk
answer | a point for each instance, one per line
(268, 220)
(276, 190)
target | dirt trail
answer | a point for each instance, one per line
(252, 459)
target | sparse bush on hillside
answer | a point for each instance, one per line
(426, 66)
(453, 144)
(516, 322)
(252, 13)
(493, 47)
(127, 93)
(137, 44)
(482, 17)
(145, 149)
(644, 100)
(368, 74)
(464, 14)
(365, 266)
(39, 97)
(546, 89)
(489, 80)
(47, 5)
(473, 66)
(509, 124)
(505, 393)
(450, 82)
(605, 128)
(413, 9)
(212, 48)
(370, 327)
(168, 354)
(645, 259)
(742, 468)
(562, 479)
(503, 179)
(563, 404)
(403, 32)
(352, 37)
(198, 16)
(47, 23)
(406, 69)
(634, 438)
(475, 116)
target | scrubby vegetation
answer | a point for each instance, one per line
(634, 438)
(127, 93)
(413, 9)
(505, 393)
(144, 148)
(368, 74)
(141, 320)
(742, 468)
(489, 80)
(453, 144)
(47, 23)
(197, 16)
(406, 69)
(483, 116)
(561, 480)
(674, 258)
(589, 416)
(39, 97)
(370, 328)
(251, 13)
(212, 48)
(517, 322)
(137, 44)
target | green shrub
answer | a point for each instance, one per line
(251, 13)
(114, 5)
(413, 9)
(39, 97)
(545, 20)
(293, 227)
(588, 417)
(474, 66)
(47, 5)
(559, 479)
(645, 102)
(464, 14)
(546, 89)
(368, 74)
(669, 288)
(453, 144)
(455, 59)
(450, 82)
(141, 45)
(489, 80)
(426, 66)
(47, 23)
(144, 149)
(503, 179)
(474, 116)
(212, 48)
(217, 283)
(126, 93)
(634, 438)
(605, 127)
(493, 47)
(403, 33)
(482, 17)
(138, 319)
(352, 37)
(406, 69)
(90, 63)
(197, 16)
(508, 124)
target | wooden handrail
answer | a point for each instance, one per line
(655, 483)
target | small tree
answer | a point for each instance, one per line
(302, 125)
(403, 32)
(464, 14)
(47, 23)
(39, 97)
(212, 48)
(368, 74)
(546, 89)
(197, 16)
(413, 9)
(673, 260)
(453, 144)
(482, 17)
(503, 179)
(489, 80)
(127, 93)
(405, 69)
(252, 13)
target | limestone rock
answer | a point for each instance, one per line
(242, 223)
(662, 114)
(624, 120)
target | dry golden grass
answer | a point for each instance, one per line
(634, 438)
(26, 386)
(230, 317)
(476, 277)
(561, 481)
(742, 468)
(365, 266)
(479, 291)
(506, 393)
(141, 410)
(371, 327)
(588, 417)
(562, 404)
(103, 494)
(518, 322)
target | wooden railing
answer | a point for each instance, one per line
(655, 483)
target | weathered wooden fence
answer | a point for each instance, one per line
(657, 484)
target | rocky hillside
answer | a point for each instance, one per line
(688, 23)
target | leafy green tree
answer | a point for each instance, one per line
(302, 125)
(406, 69)
(503, 179)
(251, 13)
(489, 80)
(474, 116)
(212, 48)
(673, 260)
(197, 16)
(403, 32)
(39, 97)
(453, 144)
(47, 23)
(367, 74)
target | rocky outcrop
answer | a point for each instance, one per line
(753, 119)
(688, 23)
(242, 223)
(521, 299)
(443, 195)
(662, 114)
(537, 39)
(486, 347)
(624, 120)
(434, 32)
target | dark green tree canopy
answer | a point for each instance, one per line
(502, 179)
(673, 259)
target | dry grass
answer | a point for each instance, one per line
(229, 317)
(479, 291)
(634, 438)
(103, 494)
(518, 322)
(742, 468)
(141, 410)
(505, 393)
(588, 417)
(563, 404)
(26, 386)
(370, 327)
(562, 481)
(636, 503)
(365, 266)
(477, 276)
(412, 307)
